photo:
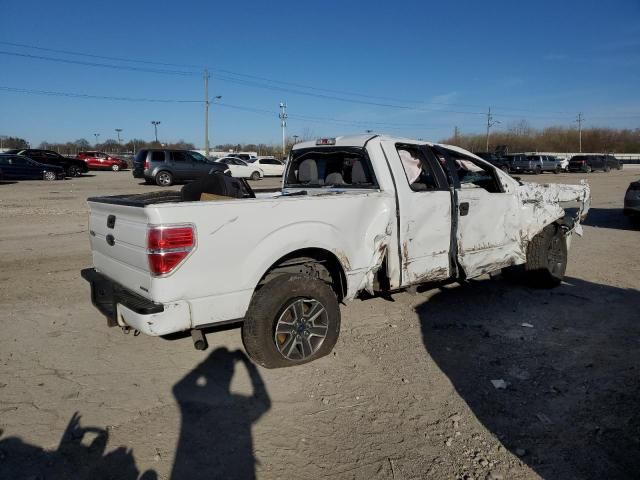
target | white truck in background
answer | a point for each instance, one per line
(359, 213)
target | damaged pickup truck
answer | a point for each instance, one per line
(360, 213)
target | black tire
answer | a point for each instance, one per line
(255, 176)
(269, 308)
(546, 258)
(505, 168)
(557, 170)
(73, 171)
(164, 179)
(588, 169)
(607, 169)
(537, 170)
(115, 168)
(49, 176)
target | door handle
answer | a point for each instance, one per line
(464, 208)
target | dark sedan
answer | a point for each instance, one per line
(17, 167)
(632, 201)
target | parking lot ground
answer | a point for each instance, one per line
(407, 393)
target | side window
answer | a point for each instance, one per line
(157, 156)
(419, 173)
(179, 157)
(472, 174)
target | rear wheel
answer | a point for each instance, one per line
(164, 179)
(255, 176)
(115, 167)
(73, 171)
(537, 170)
(293, 319)
(546, 258)
(557, 170)
(607, 169)
(587, 169)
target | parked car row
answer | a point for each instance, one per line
(72, 167)
(538, 163)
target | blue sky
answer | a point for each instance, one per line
(413, 68)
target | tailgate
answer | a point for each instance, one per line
(118, 236)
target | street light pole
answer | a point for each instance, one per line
(206, 113)
(155, 124)
(283, 124)
(97, 135)
(579, 121)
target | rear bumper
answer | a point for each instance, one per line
(124, 308)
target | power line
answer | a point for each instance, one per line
(250, 81)
(104, 57)
(96, 97)
(96, 64)
(240, 80)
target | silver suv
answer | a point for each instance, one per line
(535, 164)
(165, 167)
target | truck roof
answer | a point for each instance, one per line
(361, 140)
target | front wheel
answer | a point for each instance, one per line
(292, 319)
(255, 176)
(547, 258)
(557, 170)
(164, 179)
(49, 176)
(537, 170)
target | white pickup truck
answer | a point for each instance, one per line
(359, 213)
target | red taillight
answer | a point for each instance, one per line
(146, 164)
(167, 247)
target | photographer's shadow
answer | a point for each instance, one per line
(215, 435)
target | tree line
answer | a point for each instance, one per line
(520, 137)
(517, 137)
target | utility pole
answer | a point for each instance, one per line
(283, 123)
(155, 124)
(295, 139)
(206, 113)
(97, 135)
(118, 130)
(490, 123)
(456, 134)
(579, 121)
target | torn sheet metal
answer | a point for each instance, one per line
(542, 205)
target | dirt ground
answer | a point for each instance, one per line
(407, 393)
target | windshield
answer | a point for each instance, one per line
(330, 167)
(198, 156)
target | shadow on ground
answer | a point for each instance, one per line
(215, 434)
(82, 454)
(570, 409)
(609, 218)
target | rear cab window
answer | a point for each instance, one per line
(330, 167)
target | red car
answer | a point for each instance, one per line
(101, 161)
